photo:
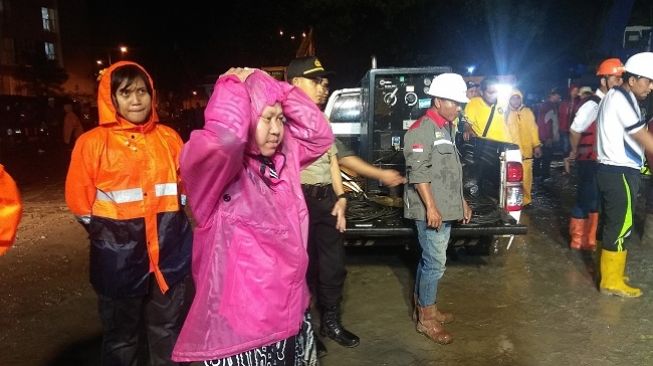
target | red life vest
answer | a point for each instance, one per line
(587, 143)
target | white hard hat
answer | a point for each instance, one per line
(449, 86)
(641, 64)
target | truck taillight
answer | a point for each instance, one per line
(514, 196)
(514, 172)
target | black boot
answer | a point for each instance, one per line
(332, 328)
(320, 347)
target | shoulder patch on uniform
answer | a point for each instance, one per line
(439, 134)
(417, 148)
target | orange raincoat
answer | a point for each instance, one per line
(123, 185)
(10, 210)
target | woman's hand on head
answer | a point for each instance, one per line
(241, 72)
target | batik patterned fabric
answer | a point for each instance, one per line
(297, 350)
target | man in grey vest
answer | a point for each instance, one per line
(433, 196)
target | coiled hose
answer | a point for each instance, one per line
(362, 209)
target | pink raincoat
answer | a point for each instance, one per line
(249, 256)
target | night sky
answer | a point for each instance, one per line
(539, 41)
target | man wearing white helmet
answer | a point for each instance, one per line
(433, 196)
(621, 142)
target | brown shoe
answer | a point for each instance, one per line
(441, 316)
(428, 325)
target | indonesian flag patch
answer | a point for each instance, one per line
(418, 148)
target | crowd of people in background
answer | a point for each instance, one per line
(604, 133)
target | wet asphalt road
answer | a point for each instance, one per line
(534, 304)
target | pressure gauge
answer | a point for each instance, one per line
(427, 81)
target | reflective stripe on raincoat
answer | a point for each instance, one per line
(123, 185)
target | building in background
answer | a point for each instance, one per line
(34, 59)
(30, 46)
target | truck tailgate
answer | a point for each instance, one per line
(505, 225)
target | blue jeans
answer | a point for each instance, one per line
(431, 265)
(587, 191)
(565, 146)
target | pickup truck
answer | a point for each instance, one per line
(372, 119)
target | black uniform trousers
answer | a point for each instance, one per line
(156, 317)
(618, 187)
(326, 269)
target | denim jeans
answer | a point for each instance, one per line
(431, 265)
(564, 143)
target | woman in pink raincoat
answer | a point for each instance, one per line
(241, 173)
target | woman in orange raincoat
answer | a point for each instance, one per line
(123, 186)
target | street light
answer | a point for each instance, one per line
(123, 50)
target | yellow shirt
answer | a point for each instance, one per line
(478, 112)
(523, 129)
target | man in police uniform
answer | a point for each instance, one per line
(621, 142)
(433, 196)
(327, 203)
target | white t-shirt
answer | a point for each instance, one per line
(617, 120)
(586, 114)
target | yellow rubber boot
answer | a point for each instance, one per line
(597, 262)
(613, 265)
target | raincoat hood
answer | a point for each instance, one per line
(519, 93)
(107, 112)
(263, 91)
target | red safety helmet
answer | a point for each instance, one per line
(611, 66)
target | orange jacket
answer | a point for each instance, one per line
(123, 185)
(10, 210)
